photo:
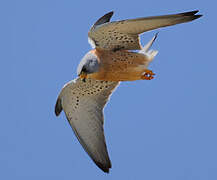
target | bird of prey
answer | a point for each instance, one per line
(100, 72)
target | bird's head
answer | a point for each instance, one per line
(88, 65)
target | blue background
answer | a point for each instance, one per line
(159, 129)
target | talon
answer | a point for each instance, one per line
(148, 75)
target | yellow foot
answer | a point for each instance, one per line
(148, 75)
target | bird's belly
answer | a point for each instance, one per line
(121, 66)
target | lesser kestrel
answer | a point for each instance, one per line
(100, 72)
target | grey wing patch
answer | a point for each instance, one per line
(125, 34)
(83, 104)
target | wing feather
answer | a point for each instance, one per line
(104, 19)
(83, 104)
(125, 34)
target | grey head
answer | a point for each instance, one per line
(88, 65)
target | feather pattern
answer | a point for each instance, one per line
(83, 104)
(125, 34)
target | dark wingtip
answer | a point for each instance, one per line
(110, 13)
(198, 16)
(195, 11)
(103, 167)
(189, 13)
(104, 19)
(58, 107)
(189, 16)
(192, 13)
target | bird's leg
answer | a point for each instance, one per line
(148, 75)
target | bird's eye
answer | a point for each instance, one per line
(84, 69)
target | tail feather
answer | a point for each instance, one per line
(152, 54)
(149, 44)
(146, 49)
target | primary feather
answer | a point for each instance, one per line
(125, 34)
(83, 105)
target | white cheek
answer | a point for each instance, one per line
(91, 42)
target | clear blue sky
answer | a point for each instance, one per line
(161, 129)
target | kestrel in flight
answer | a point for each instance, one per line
(100, 72)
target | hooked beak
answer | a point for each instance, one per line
(83, 76)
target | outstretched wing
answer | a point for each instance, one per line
(83, 104)
(125, 34)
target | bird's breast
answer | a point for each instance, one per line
(119, 65)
